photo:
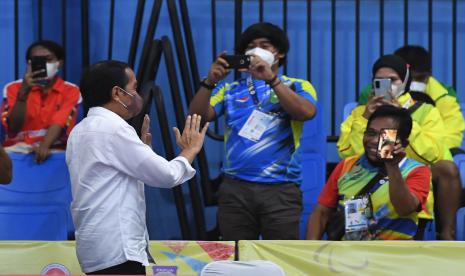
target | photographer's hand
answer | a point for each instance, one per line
(260, 69)
(398, 152)
(218, 70)
(373, 103)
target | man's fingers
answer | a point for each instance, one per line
(188, 123)
(177, 134)
(186, 132)
(205, 128)
(221, 61)
(146, 124)
(197, 123)
(191, 128)
(148, 139)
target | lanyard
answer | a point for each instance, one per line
(253, 92)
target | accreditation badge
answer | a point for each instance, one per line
(257, 123)
(355, 211)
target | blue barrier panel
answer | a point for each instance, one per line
(36, 205)
(460, 225)
(348, 108)
(459, 160)
(314, 175)
(313, 159)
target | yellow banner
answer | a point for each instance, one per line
(359, 258)
(187, 257)
(38, 257)
(175, 257)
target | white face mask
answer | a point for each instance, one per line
(396, 89)
(52, 69)
(266, 55)
(418, 86)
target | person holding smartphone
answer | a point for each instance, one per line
(264, 114)
(396, 187)
(426, 140)
(40, 109)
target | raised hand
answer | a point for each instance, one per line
(145, 134)
(192, 137)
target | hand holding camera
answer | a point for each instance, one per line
(218, 70)
(36, 71)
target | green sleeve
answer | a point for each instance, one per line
(366, 91)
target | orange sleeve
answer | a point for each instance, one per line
(329, 196)
(418, 183)
(11, 91)
(70, 99)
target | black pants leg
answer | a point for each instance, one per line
(127, 268)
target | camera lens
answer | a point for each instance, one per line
(376, 84)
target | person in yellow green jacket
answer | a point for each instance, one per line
(427, 139)
(444, 98)
(380, 198)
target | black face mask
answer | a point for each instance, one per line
(135, 107)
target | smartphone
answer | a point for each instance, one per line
(39, 63)
(237, 61)
(382, 87)
(387, 140)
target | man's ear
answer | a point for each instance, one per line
(405, 143)
(280, 56)
(115, 92)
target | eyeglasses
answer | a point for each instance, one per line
(371, 133)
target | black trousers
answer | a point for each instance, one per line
(127, 268)
(247, 210)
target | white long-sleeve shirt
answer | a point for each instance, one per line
(108, 164)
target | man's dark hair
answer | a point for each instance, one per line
(267, 30)
(98, 81)
(417, 56)
(400, 115)
(53, 47)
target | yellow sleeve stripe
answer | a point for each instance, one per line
(219, 96)
(306, 86)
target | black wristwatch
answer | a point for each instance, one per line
(203, 83)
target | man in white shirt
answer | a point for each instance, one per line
(109, 164)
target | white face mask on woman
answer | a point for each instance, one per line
(52, 69)
(398, 89)
(266, 55)
(418, 86)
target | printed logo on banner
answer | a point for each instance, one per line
(55, 269)
(164, 270)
